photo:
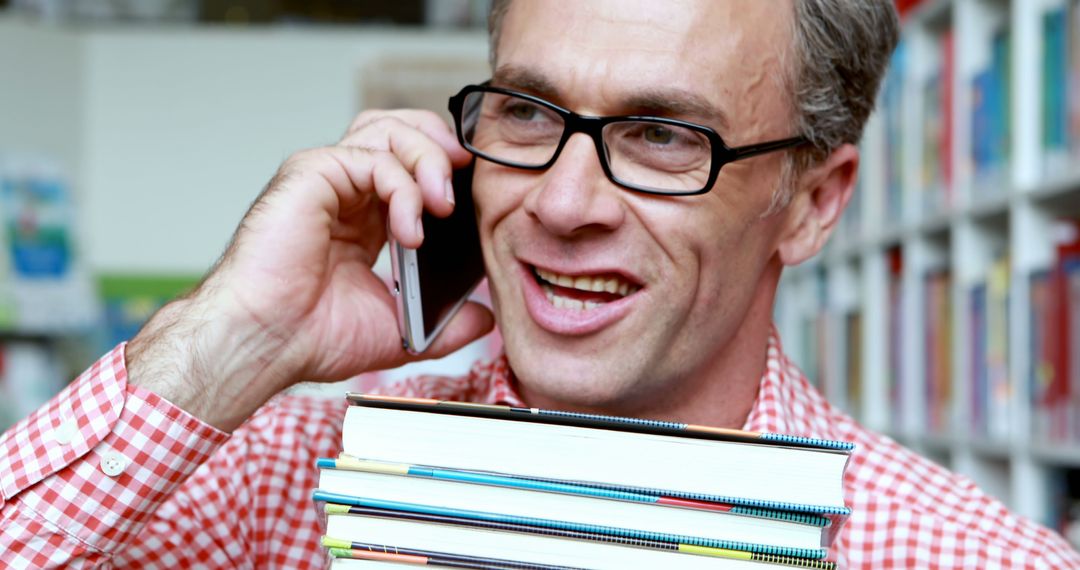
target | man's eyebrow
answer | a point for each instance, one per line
(522, 79)
(676, 103)
(658, 101)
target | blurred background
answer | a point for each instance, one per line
(945, 313)
(134, 135)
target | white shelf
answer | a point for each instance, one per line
(1012, 211)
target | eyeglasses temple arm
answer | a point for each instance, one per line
(749, 150)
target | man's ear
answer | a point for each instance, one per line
(821, 194)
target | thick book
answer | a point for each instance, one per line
(652, 457)
(572, 504)
(368, 529)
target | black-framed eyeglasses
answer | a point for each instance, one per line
(655, 155)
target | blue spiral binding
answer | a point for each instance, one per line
(615, 419)
(809, 441)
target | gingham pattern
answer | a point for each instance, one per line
(245, 501)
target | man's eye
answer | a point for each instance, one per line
(523, 112)
(657, 134)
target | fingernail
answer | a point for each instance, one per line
(419, 228)
(449, 193)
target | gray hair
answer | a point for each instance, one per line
(839, 54)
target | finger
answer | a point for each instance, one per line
(395, 186)
(427, 122)
(338, 179)
(470, 323)
(419, 153)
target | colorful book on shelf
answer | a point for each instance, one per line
(893, 108)
(853, 338)
(948, 74)
(979, 386)
(366, 528)
(573, 504)
(991, 108)
(774, 471)
(1073, 86)
(999, 386)
(894, 315)
(1042, 346)
(1054, 325)
(933, 126)
(1054, 106)
(937, 134)
(938, 347)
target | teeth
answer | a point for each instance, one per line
(584, 283)
(566, 303)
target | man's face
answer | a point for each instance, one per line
(685, 270)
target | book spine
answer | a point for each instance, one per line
(563, 525)
(335, 509)
(619, 494)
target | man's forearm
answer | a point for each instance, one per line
(198, 360)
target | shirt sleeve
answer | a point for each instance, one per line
(80, 477)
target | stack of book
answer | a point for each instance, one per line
(477, 486)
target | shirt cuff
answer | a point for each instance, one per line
(101, 455)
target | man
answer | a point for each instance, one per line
(132, 465)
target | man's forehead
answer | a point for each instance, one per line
(702, 51)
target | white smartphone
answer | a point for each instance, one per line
(431, 283)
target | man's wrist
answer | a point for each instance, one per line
(203, 360)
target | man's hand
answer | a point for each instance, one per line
(293, 297)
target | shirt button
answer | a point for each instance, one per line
(65, 432)
(113, 464)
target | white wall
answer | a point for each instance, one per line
(169, 133)
(41, 72)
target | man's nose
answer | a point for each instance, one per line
(574, 195)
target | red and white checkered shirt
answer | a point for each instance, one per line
(111, 475)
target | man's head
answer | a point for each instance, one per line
(700, 270)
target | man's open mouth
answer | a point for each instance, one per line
(582, 292)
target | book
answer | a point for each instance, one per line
(999, 386)
(893, 98)
(1073, 79)
(760, 470)
(938, 346)
(991, 116)
(977, 350)
(368, 528)
(348, 554)
(895, 316)
(1054, 91)
(372, 483)
(853, 339)
(1044, 361)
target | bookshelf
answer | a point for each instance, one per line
(936, 313)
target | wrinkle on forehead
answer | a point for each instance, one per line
(732, 52)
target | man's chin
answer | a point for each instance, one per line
(575, 383)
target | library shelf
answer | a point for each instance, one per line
(1067, 456)
(936, 316)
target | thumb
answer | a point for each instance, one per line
(470, 323)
